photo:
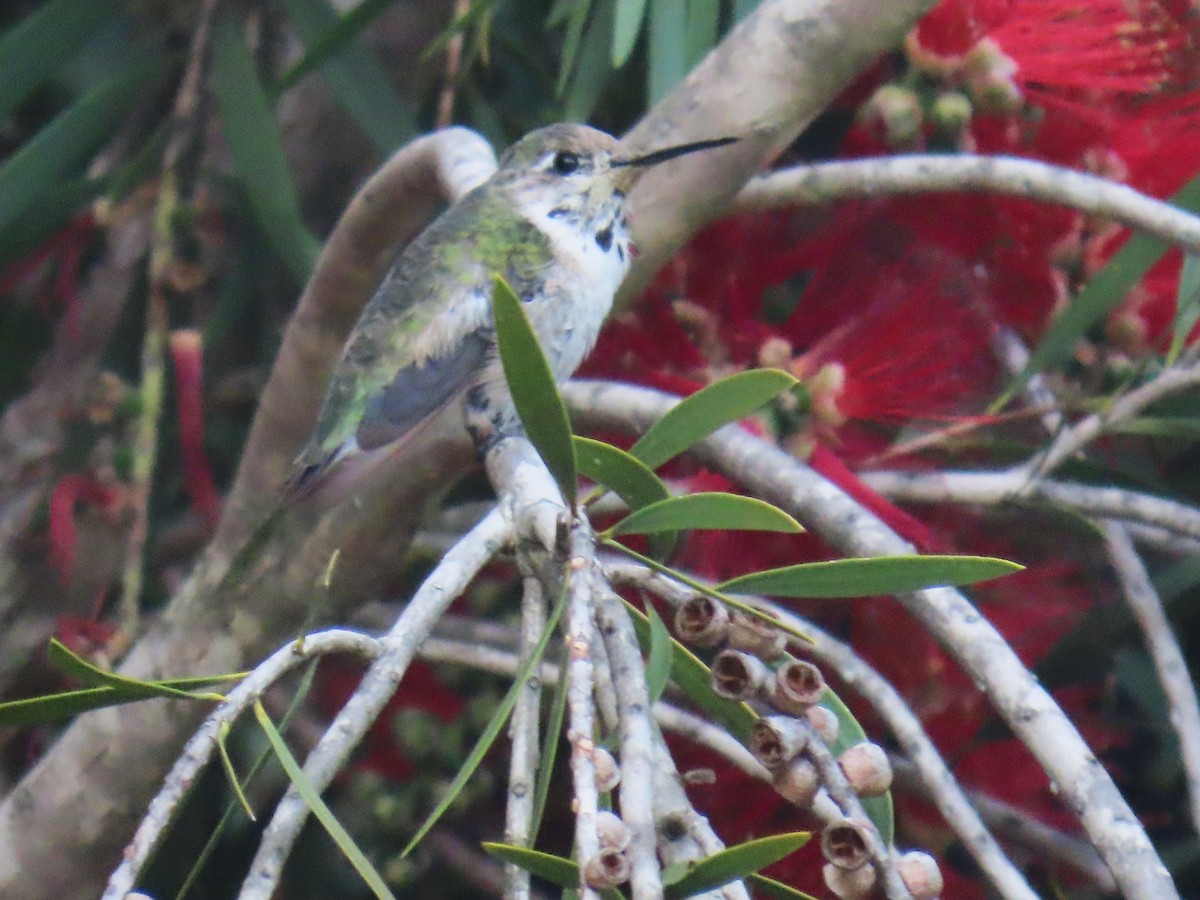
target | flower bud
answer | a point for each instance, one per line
(608, 773)
(739, 676)
(849, 884)
(798, 782)
(895, 113)
(824, 722)
(845, 843)
(776, 740)
(867, 769)
(613, 832)
(755, 636)
(797, 686)
(921, 875)
(951, 113)
(701, 622)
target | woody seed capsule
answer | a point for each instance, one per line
(776, 740)
(701, 622)
(849, 884)
(756, 637)
(739, 676)
(797, 686)
(921, 875)
(824, 722)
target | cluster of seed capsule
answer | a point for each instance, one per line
(752, 665)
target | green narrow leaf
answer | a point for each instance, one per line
(92, 676)
(703, 21)
(214, 837)
(231, 775)
(698, 416)
(324, 814)
(572, 39)
(1177, 427)
(658, 662)
(629, 477)
(593, 66)
(666, 59)
(694, 678)
(870, 576)
(626, 475)
(64, 145)
(494, 726)
(1106, 289)
(627, 25)
(771, 888)
(735, 863)
(1187, 305)
(533, 390)
(332, 39)
(357, 78)
(555, 869)
(716, 510)
(257, 151)
(33, 49)
(64, 705)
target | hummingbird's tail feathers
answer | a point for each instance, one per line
(306, 481)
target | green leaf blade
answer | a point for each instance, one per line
(627, 25)
(717, 405)
(37, 169)
(257, 150)
(870, 576)
(626, 475)
(323, 813)
(735, 863)
(715, 510)
(533, 389)
(662, 652)
(35, 47)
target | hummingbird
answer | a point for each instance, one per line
(552, 222)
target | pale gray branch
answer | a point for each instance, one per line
(1014, 176)
(444, 584)
(200, 748)
(1025, 705)
(1164, 650)
(995, 488)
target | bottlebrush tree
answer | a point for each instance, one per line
(937, 309)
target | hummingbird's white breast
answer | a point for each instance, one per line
(592, 258)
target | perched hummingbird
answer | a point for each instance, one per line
(551, 221)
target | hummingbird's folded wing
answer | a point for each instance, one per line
(419, 390)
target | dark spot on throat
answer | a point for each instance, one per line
(604, 238)
(558, 212)
(621, 252)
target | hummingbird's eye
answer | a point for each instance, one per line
(565, 162)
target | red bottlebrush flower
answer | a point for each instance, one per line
(70, 491)
(918, 352)
(67, 246)
(187, 356)
(1057, 51)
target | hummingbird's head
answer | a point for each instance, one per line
(581, 171)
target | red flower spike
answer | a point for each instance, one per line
(187, 355)
(68, 493)
(68, 245)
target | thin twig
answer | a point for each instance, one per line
(444, 584)
(1024, 704)
(995, 488)
(1073, 439)
(185, 118)
(1164, 650)
(523, 732)
(199, 749)
(637, 738)
(922, 174)
(581, 712)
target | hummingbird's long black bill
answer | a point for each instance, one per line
(657, 156)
